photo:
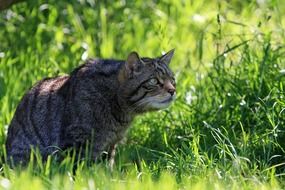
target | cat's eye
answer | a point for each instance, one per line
(153, 81)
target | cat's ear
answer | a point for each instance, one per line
(166, 58)
(133, 63)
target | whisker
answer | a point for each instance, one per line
(136, 105)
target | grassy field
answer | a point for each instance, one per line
(226, 129)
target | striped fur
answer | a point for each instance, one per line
(96, 102)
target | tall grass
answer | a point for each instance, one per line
(226, 128)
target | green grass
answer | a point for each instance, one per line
(226, 129)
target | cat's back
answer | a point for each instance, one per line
(41, 115)
(42, 105)
(101, 67)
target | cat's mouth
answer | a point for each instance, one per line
(168, 100)
(155, 103)
(162, 104)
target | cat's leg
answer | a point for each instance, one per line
(78, 138)
(18, 152)
(105, 142)
(98, 140)
(111, 155)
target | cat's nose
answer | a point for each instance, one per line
(168, 86)
(171, 91)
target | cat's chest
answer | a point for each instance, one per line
(119, 126)
(114, 132)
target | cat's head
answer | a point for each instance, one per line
(147, 84)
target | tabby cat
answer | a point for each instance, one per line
(95, 103)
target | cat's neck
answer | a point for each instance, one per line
(120, 110)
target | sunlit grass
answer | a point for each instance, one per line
(226, 128)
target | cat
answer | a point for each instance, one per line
(95, 103)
